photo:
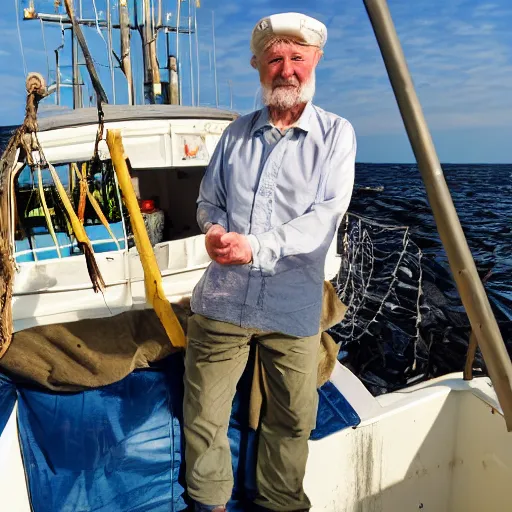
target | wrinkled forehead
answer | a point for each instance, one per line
(287, 45)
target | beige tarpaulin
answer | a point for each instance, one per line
(88, 353)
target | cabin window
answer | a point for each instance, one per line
(34, 239)
(174, 192)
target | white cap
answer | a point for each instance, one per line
(293, 25)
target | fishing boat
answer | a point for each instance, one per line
(168, 147)
(441, 445)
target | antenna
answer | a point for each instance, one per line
(230, 84)
(198, 4)
(215, 61)
(192, 91)
(178, 60)
(109, 50)
(77, 90)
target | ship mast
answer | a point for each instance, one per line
(126, 63)
(152, 85)
(154, 90)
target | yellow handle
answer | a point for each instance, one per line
(152, 277)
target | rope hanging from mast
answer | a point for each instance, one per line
(19, 149)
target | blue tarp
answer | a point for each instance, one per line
(7, 400)
(119, 448)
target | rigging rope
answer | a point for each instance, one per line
(98, 29)
(19, 37)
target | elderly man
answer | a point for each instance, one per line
(270, 203)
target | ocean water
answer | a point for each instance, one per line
(403, 345)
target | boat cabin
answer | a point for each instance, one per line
(168, 148)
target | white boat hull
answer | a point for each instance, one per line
(441, 446)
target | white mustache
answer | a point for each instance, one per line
(281, 82)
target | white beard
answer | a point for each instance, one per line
(284, 98)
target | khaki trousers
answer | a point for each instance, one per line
(216, 357)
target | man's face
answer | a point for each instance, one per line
(287, 74)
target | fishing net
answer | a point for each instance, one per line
(380, 281)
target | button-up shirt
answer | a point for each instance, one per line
(286, 191)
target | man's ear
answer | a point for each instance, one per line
(318, 56)
(254, 62)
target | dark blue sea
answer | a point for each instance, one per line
(406, 322)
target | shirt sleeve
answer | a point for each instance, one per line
(312, 233)
(211, 203)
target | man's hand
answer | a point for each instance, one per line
(227, 248)
(212, 241)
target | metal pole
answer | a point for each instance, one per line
(463, 267)
(178, 60)
(168, 62)
(75, 71)
(215, 61)
(139, 28)
(197, 56)
(109, 49)
(57, 77)
(192, 91)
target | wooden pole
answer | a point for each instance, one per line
(470, 357)
(471, 290)
(152, 277)
(173, 81)
(155, 68)
(124, 24)
(151, 71)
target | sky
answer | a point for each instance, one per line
(459, 53)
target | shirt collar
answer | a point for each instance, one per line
(263, 120)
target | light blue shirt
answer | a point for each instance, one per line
(287, 192)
